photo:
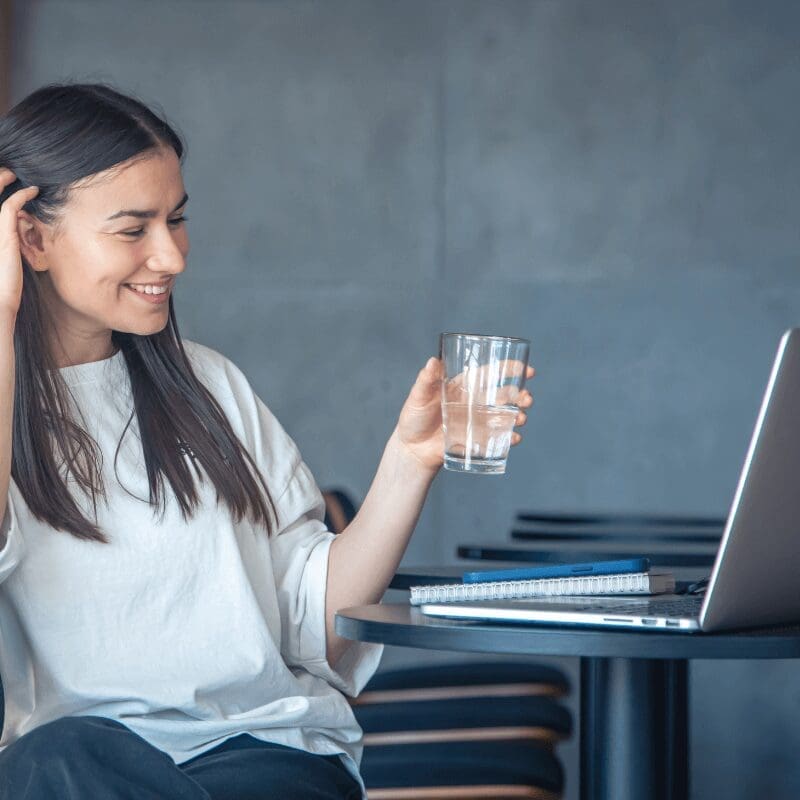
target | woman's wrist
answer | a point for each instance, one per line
(406, 463)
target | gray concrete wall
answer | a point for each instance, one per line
(618, 181)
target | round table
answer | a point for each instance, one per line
(633, 692)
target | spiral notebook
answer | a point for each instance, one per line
(623, 584)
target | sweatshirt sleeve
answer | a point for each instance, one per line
(12, 551)
(300, 542)
(300, 551)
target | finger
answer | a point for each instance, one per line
(507, 396)
(492, 373)
(7, 176)
(520, 420)
(428, 382)
(516, 438)
(510, 395)
(531, 372)
(432, 371)
(13, 204)
(11, 211)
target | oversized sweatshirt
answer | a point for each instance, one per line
(188, 632)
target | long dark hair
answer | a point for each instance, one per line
(56, 136)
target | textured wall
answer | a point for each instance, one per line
(619, 181)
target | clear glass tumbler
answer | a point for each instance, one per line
(483, 377)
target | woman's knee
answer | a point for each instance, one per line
(73, 758)
(67, 736)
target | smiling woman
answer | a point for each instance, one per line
(101, 159)
(168, 587)
(145, 568)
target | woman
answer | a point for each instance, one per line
(167, 586)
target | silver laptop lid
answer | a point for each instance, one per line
(756, 575)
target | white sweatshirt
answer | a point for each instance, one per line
(188, 632)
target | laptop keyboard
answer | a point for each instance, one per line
(678, 607)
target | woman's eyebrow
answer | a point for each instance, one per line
(146, 214)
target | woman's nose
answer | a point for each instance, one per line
(168, 256)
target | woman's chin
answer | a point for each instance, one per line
(144, 327)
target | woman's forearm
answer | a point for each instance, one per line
(364, 557)
(7, 379)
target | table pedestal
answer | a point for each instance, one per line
(634, 729)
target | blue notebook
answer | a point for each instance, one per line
(614, 567)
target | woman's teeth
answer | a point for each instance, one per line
(148, 289)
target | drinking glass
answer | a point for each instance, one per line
(483, 378)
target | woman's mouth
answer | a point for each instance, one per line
(152, 293)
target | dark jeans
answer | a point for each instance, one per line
(89, 758)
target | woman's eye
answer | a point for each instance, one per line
(139, 231)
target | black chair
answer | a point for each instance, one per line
(489, 718)
(339, 509)
(465, 730)
(472, 711)
(464, 681)
(490, 770)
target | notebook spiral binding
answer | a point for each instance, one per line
(630, 583)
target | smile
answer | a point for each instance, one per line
(150, 292)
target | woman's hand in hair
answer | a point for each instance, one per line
(10, 257)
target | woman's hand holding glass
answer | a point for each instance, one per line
(419, 430)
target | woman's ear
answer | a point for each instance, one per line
(31, 241)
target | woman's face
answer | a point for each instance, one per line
(119, 228)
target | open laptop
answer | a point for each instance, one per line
(756, 576)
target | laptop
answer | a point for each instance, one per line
(755, 580)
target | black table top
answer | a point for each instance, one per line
(623, 519)
(406, 626)
(621, 536)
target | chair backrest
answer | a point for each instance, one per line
(340, 508)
